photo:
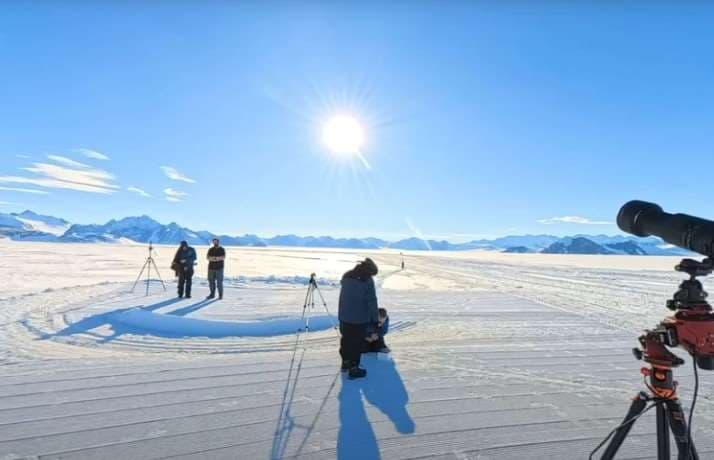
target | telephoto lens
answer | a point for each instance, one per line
(641, 218)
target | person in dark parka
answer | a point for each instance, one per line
(358, 309)
(183, 263)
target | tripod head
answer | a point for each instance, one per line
(691, 294)
(691, 327)
(151, 251)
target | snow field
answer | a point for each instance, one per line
(493, 358)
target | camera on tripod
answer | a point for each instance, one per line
(692, 326)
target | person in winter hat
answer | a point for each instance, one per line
(358, 310)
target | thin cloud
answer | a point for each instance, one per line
(174, 174)
(573, 220)
(24, 190)
(138, 191)
(85, 179)
(67, 161)
(174, 195)
(93, 154)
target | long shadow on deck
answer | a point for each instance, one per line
(384, 389)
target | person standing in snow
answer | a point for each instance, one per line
(183, 263)
(216, 262)
(358, 309)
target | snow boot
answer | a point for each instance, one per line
(357, 373)
(346, 365)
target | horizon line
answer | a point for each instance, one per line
(401, 237)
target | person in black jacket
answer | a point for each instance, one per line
(183, 263)
(358, 309)
(216, 262)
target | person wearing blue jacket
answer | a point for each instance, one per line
(374, 342)
(358, 310)
(183, 263)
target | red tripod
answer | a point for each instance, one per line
(692, 328)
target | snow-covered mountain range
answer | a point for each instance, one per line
(30, 226)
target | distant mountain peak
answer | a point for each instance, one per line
(31, 215)
(576, 245)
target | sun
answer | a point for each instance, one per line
(343, 134)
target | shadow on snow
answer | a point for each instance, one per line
(88, 324)
(177, 324)
(383, 389)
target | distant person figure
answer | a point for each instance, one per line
(374, 342)
(216, 262)
(183, 263)
(358, 309)
(402, 254)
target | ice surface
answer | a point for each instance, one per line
(495, 356)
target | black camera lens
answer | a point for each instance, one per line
(641, 218)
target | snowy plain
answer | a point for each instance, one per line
(495, 356)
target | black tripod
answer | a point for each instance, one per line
(670, 417)
(148, 266)
(309, 306)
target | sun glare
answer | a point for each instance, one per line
(343, 134)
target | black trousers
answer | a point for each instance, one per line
(352, 342)
(185, 280)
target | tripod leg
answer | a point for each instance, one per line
(139, 277)
(148, 277)
(638, 405)
(305, 314)
(310, 308)
(307, 297)
(662, 432)
(156, 268)
(678, 425)
(324, 304)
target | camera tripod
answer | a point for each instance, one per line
(309, 306)
(148, 266)
(690, 328)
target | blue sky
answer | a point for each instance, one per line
(481, 118)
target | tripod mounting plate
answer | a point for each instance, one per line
(695, 268)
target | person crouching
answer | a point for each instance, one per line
(358, 309)
(374, 342)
